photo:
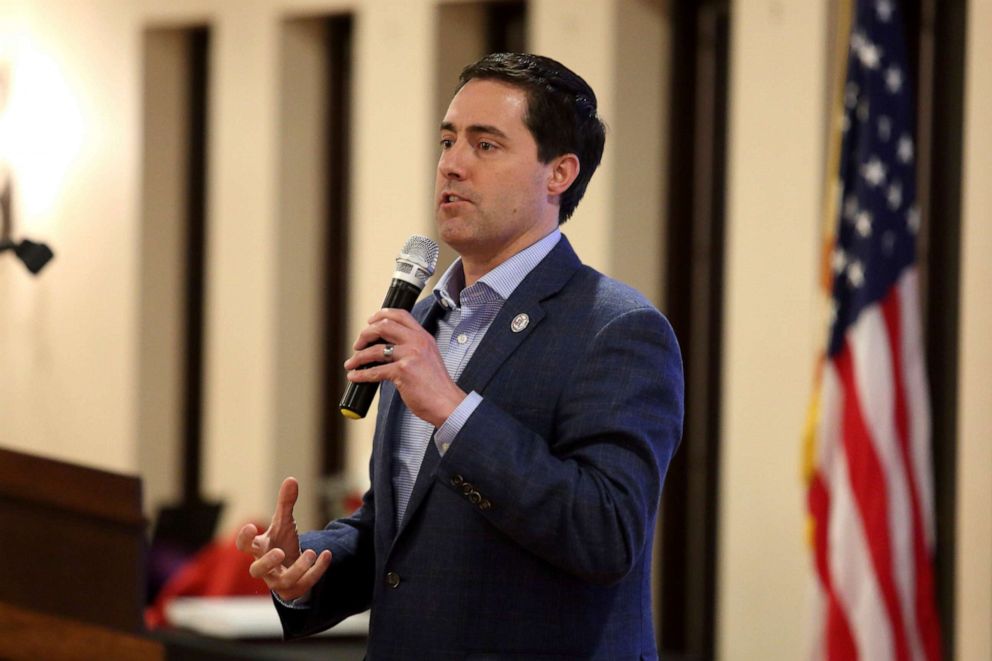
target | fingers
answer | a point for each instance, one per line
(305, 572)
(315, 572)
(245, 537)
(388, 324)
(293, 581)
(370, 356)
(268, 566)
(401, 317)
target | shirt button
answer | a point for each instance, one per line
(393, 579)
(445, 446)
(462, 339)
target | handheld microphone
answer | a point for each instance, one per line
(414, 266)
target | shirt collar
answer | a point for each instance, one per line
(503, 279)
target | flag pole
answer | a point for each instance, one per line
(828, 219)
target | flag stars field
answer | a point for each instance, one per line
(871, 55)
(874, 172)
(864, 110)
(904, 152)
(838, 260)
(888, 243)
(856, 274)
(893, 79)
(894, 196)
(851, 208)
(851, 95)
(884, 128)
(863, 224)
(913, 219)
(870, 485)
(884, 10)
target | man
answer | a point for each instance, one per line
(528, 413)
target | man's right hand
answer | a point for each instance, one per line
(278, 560)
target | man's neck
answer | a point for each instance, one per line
(476, 266)
(476, 269)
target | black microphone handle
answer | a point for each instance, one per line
(358, 397)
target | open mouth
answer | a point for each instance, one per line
(451, 198)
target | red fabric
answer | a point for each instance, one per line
(217, 570)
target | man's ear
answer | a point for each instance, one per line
(564, 170)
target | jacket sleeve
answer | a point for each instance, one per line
(585, 498)
(346, 587)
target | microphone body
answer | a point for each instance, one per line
(413, 267)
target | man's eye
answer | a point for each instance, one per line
(446, 143)
(486, 146)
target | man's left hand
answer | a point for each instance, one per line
(415, 366)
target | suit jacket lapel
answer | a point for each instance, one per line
(382, 467)
(500, 341)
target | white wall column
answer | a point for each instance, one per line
(240, 337)
(973, 567)
(621, 48)
(394, 136)
(777, 113)
(581, 34)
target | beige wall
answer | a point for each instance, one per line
(973, 604)
(72, 356)
(773, 202)
(67, 351)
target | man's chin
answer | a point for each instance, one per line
(454, 231)
(457, 242)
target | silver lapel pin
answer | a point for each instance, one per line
(519, 322)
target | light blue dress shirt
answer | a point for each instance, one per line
(468, 313)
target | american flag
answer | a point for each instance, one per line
(870, 484)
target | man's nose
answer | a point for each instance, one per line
(452, 164)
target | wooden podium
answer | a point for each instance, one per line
(72, 553)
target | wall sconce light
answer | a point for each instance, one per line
(34, 255)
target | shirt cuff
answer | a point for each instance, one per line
(446, 433)
(298, 603)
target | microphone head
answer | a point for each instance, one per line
(417, 260)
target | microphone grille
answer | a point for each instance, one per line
(422, 250)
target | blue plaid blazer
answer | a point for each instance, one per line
(532, 536)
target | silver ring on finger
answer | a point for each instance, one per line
(387, 351)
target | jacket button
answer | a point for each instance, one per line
(467, 488)
(456, 480)
(475, 497)
(485, 505)
(393, 579)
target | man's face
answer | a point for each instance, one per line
(492, 197)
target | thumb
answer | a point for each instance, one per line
(288, 494)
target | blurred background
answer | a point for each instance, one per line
(225, 185)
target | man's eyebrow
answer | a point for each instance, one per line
(487, 129)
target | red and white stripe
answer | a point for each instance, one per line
(871, 494)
